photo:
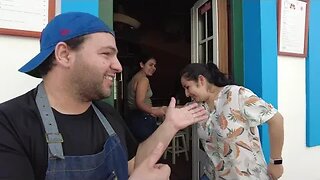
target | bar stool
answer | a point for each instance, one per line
(175, 148)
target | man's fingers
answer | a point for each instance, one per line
(172, 103)
(156, 154)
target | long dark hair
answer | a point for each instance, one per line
(143, 58)
(210, 71)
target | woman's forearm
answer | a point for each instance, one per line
(276, 134)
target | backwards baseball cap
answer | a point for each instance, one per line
(62, 28)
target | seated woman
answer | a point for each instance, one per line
(142, 115)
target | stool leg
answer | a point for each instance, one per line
(185, 147)
(165, 154)
(173, 151)
(188, 137)
(178, 146)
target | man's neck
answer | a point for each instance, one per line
(63, 99)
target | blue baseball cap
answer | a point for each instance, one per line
(62, 28)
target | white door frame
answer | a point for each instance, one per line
(199, 41)
(195, 34)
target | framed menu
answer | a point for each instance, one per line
(293, 22)
(25, 17)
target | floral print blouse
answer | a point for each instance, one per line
(230, 136)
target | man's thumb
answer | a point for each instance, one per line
(172, 103)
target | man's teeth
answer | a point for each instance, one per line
(109, 77)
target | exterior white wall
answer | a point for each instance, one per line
(15, 52)
(300, 162)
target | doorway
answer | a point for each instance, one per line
(164, 28)
(161, 28)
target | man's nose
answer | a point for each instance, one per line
(116, 65)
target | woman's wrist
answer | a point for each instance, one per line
(276, 161)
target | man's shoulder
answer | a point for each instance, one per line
(19, 109)
(25, 101)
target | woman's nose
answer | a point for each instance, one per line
(186, 92)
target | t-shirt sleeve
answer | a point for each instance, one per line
(14, 163)
(253, 108)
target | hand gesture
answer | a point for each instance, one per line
(182, 117)
(148, 169)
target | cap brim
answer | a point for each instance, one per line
(35, 62)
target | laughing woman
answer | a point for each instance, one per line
(142, 115)
(230, 136)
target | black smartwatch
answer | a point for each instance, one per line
(275, 161)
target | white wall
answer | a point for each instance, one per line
(300, 162)
(15, 52)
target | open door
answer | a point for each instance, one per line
(204, 32)
(204, 42)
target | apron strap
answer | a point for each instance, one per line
(104, 121)
(53, 137)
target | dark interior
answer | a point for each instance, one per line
(165, 33)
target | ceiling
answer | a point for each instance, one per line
(156, 13)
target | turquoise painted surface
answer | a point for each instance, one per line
(260, 55)
(89, 6)
(312, 77)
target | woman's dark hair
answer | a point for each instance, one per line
(143, 58)
(210, 71)
(47, 65)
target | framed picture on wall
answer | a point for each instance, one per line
(293, 22)
(25, 17)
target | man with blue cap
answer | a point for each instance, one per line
(62, 130)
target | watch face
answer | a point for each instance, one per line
(277, 161)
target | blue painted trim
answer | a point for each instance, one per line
(252, 45)
(260, 55)
(312, 77)
(89, 6)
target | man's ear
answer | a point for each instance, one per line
(62, 52)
